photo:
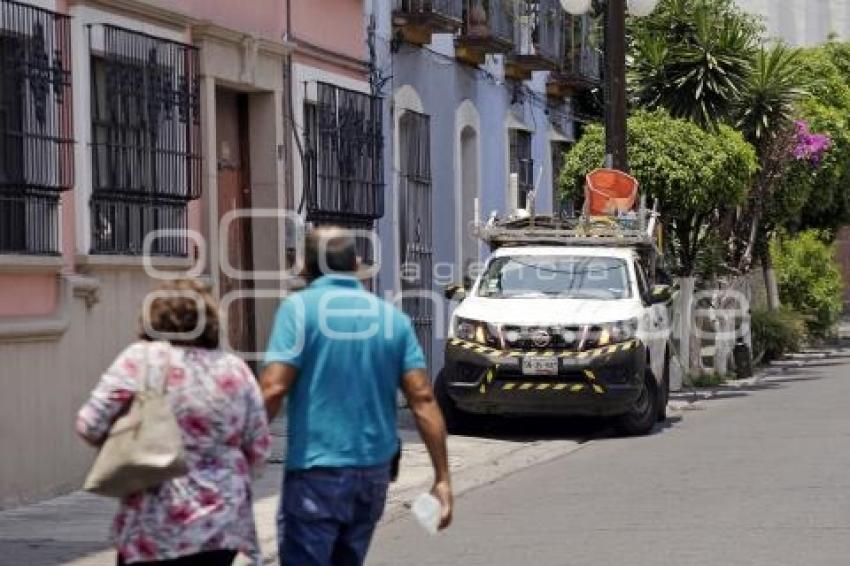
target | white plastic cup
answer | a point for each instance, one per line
(427, 509)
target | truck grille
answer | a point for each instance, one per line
(542, 337)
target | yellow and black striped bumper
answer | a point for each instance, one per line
(519, 354)
(601, 381)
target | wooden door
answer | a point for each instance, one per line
(234, 193)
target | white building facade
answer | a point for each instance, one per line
(803, 23)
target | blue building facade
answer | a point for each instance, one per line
(476, 121)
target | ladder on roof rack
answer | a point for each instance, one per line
(637, 229)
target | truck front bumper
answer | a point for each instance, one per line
(605, 381)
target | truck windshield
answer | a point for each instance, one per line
(564, 277)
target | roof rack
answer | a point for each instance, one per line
(639, 228)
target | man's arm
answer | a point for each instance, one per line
(276, 382)
(429, 420)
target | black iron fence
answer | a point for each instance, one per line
(146, 163)
(343, 161)
(36, 128)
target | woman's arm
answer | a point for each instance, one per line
(112, 395)
(256, 440)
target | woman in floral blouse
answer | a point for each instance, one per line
(206, 516)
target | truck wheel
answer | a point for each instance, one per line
(641, 419)
(664, 392)
(457, 421)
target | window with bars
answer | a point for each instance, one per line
(146, 165)
(416, 241)
(36, 143)
(343, 157)
(521, 164)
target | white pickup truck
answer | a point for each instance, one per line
(559, 330)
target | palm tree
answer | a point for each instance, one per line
(766, 118)
(766, 105)
(693, 59)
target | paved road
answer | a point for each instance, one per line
(759, 478)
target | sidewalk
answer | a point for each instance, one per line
(72, 529)
(844, 327)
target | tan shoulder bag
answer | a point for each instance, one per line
(144, 447)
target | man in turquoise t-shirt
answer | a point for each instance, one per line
(340, 354)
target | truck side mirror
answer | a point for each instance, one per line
(454, 292)
(660, 294)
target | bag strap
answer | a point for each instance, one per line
(164, 370)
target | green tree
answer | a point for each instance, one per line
(828, 205)
(839, 52)
(765, 116)
(826, 81)
(824, 189)
(693, 59)
(772, 88)
(809, 279)
(691, 173)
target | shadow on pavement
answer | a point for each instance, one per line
(529, 429)
(37, 551)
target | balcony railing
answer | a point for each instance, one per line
(582, 59)
(539, 34)
(417, 20)
(488, 25)
(449, 10)
(581, 66)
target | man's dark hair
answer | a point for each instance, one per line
(329, 250)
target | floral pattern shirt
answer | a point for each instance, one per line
(218, 405)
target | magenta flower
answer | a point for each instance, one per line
(810, 147)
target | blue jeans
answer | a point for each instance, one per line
(327, 515)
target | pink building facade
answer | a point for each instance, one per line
(135, 134)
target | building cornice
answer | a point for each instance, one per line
(328, 56)
(200, 29)
(14, 263)
(141, 10)
(88, 263)
(207, 30)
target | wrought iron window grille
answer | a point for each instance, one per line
(36, 128)
(146, 163)
(415, 225)
(343, 159)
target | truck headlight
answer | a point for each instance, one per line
(610, 333)
(476, 331)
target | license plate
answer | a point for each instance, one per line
(539, 366)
